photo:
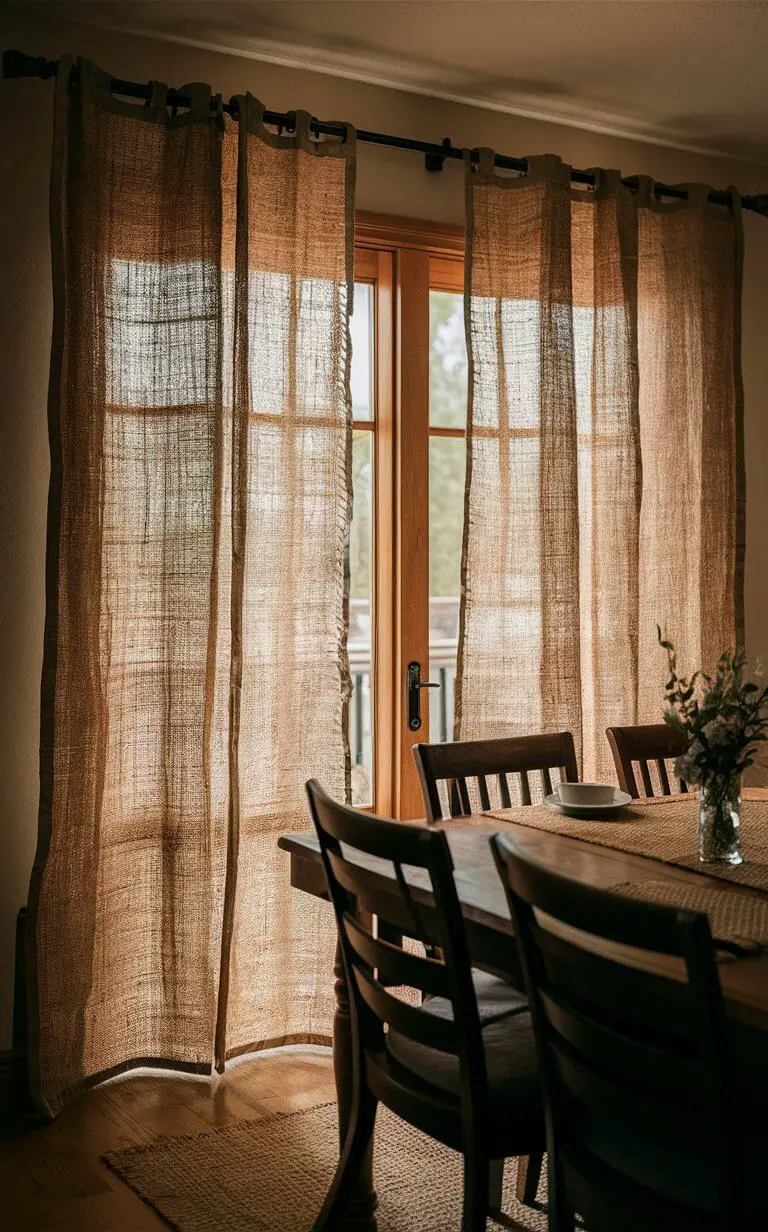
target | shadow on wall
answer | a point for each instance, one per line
(25, 323)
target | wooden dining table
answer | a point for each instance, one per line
(491, 938)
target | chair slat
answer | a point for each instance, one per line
(657, 1068)
(647, 742)
(410, 845)
(525, 788)
(646, 777)
(424, 1028)
(572, 968)
(680, 1112)
(399, 912)
(463, 762)
(663, 776)
(546, 782)
(466, 807)
(485, 802)
(396, 965)
(506, 801)
(345, 871)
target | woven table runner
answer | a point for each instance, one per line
(664, 829)
(740, 920)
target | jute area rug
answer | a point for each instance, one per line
(272, 1175)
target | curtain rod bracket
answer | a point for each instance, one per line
(436, 162)
(17, 64)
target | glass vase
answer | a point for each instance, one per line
(719, 817)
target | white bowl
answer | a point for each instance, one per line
(586, 793)
(591, 812)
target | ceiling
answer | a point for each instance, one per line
(683, 73)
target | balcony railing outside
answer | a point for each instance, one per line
(442, 668)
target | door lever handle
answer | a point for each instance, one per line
(415, 685)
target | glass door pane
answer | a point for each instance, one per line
(361, 547)
(361, 334)
(447, 469)
(447, 361)
(447, 464)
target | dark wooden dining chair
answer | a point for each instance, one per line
(647, 1129)
(649, 742)
(465, 1077)
(461, 761)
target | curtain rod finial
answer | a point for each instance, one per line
(757, 203)
(17, 64)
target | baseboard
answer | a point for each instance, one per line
(15, 1099)
(15, 1102)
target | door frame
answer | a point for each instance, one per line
(404, 257)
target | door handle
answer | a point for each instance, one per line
(415, 685)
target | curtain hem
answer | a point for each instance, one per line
(122, 1067)
(279, 1041)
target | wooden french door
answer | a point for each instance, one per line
(409, 414)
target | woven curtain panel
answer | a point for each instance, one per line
(604, 263)
(195, 660)
(126, 890)
(519, 635)
(691, 417)
(605, 476)
(292, 475)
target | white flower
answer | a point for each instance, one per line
(716, 732)
(721, 732)
(686, 768)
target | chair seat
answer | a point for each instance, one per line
(495, 998)
(514, 1089)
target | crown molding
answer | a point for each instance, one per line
(373, 73)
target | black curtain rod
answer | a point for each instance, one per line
(17, 64)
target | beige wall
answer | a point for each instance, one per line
(389, 182)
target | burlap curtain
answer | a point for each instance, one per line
(292, 476)
(605, 473)
(195, 660)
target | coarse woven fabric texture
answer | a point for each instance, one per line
(605, 477)
(738, 918)
(195, 667)
(666, 830)
(272, 1176)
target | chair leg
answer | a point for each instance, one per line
(361, 1127)
(528, 1176)
(559, 1217)
(495, 1186)
(474, 1215)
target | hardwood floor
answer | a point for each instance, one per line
(52, 1178)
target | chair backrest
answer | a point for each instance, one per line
(633, 1051)
(650, 742)
(420, 902)
(460, 762)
